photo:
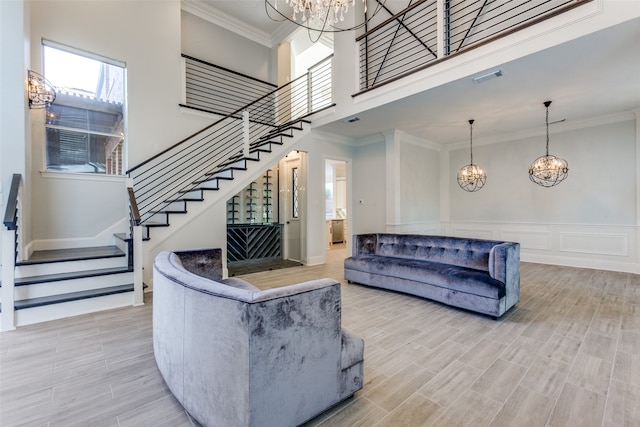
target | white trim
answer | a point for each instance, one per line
(82, 176)
(81, 52)
(105, 237)
(228, 22)
(80, 130)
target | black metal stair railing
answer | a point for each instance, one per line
(187, 165)
(408, 41)
(215, 89)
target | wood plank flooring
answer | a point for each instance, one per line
(567, 355)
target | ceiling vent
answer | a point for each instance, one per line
(351, 119)
(488, 76)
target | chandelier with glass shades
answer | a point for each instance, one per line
(548, 170)
(471, 177)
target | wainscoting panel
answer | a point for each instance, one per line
(540, 240)
(603, 247)
(592, 243)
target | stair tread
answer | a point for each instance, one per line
(71, 275)
(73, 254)
(72, 296)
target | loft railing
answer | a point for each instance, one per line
(429, 31)
(215, 89)
(180, 168)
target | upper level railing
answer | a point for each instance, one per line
(429, 31)
(215, 89)
(169, 174)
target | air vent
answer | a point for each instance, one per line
(351, 119)
(488, 76)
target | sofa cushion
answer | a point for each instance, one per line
(461, 279)
(471, 253)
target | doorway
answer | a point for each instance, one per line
(293, 203)
(336, 203)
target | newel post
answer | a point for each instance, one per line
(8, 279)
(138, 286)
(245, 128)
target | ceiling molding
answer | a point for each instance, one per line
(228, 22)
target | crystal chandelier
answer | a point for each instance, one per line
(471, 177)
(548, 170)
(320, 11)
(320, 16)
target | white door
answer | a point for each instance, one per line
(293, 204)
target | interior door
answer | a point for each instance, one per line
(292, 190)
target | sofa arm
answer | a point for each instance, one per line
(504, 262)
(364, 244)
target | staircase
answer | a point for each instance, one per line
(240, 167)
(164, 192)
(54, 284)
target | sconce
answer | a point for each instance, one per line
(41, 92)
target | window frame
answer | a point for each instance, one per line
(121, 166)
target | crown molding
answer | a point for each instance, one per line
(228, 22)
(555, 128)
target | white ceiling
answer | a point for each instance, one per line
(588, 78)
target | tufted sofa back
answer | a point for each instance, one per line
(463, 252)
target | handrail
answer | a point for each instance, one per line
(191, 163)
(228, 116)
(135, 213)
(228, 70)
(11, 213)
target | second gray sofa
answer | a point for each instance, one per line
(478, 275)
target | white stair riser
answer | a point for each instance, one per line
(29, 316)
(241, 164)
(158, 217)
(224, 174)
(195, 194)
(175, 206)
(69, 266)
(74, 285)
(212, 184)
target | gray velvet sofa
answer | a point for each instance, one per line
(237, 356)
(478, 275)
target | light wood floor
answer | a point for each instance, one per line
(567, 355)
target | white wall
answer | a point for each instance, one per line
(368, 195)
(589, 220)
(320, 147)
(600, 188)
(219, 46)
(145, 36)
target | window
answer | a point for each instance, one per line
(85, 125)
(294, 187)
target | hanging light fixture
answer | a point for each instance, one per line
(319, 15)
(40, 92)
(471, 177)
(548, 170)
(319, 11)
